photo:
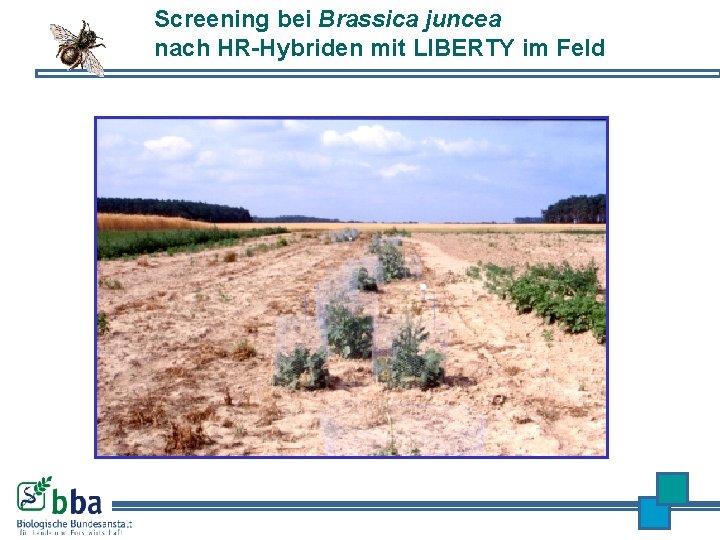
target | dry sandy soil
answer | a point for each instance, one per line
(172, 381)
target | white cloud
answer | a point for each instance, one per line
(294, 125)
(398, 168)
(367, 137)
(464, 146)
(169, 147)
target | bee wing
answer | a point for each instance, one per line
(92, 65)
(61, 34)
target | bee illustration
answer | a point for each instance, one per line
(75, 51)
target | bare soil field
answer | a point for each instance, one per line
(172, 380)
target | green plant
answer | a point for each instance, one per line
(230, 256)
(498, 279)
(397, 232)
(249, 252)
(393, 262)
(363, 281)
(390, 449)
(349, 334)
(302, 370)
(282, 242)
(112, 284)
(548, 335)
(102, 324)
(346, 235)
(375, 244)
(407, 366)
(473, 272)
(117, 244)
(557, 293)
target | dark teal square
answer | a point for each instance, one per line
(673, 488)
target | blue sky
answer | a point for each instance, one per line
(365, 170)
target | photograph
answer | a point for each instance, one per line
(419, 251)
(351, 287)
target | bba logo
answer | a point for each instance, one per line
(31, 498)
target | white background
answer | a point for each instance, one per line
(664, 297)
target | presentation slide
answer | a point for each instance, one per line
(309, 270)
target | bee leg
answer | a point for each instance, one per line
(77, 63)
(97, 45)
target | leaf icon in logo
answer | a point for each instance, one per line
(42, 485)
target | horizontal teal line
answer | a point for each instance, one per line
(716, 71)
(260, 76)
(369, 509)
(389, 73)
(375, 505)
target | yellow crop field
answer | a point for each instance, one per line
(132, 222)
(124, 222)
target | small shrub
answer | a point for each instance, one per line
(102, 324)
(243, 350)
(302, 370)
(473, 272)
(112, 284)
(397, 232)
(390, 449)
(346, 235)
(549, 336)
(249, 252)
(230, 256)
(282, 242)
(375, 244)
(393, 263)
(407, 366)
(184, 437)
(363, 281)
(349, 334)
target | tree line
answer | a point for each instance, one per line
(198, 211)
(293, 219)
(577, 209)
